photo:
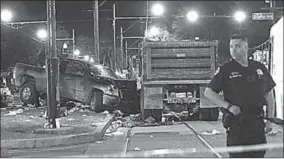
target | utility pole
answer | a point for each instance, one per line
(147, 17)
(272, 7)
(52, 66)
(121, 47)
(73, 41)
(114, 39)
(96, 30)
(126, 55)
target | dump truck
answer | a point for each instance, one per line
(174, 75)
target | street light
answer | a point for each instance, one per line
(153, 31)
(86, 57)
(76, 52)
(157, 9)
(6, 15)
(192, 16)
(92, 60)
(42, 34)
(240, 16)
(65, 46)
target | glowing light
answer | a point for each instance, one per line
(192, 16)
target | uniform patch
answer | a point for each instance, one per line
(217, 71)
(235, 74)
(259, 72)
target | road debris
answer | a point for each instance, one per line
(96, 124)
(69, 105)
(132, 121)
(118, 113)
(64, 125)
(213, 132)
(150, 119)
(274, 133)
(74, 109)
(63, 112)
(117, 133)
(19, 111)
(114, 126)
(137, 149)
(43, 114)
(70, 119)
(105, 112)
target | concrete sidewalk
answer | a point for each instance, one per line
(25, 129)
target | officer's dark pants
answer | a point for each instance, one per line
(246, 131)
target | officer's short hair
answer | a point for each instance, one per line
(239, 36)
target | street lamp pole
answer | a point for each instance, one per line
(53, 69)
(272, 7)
(121, 47)
(147, 19)
(126, 54)
(96, 30)
(114, 40)
(73, 41)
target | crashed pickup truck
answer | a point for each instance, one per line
(80, 81)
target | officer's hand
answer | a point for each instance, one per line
(235, 110)
(268, 126)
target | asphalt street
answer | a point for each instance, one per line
(144, 141)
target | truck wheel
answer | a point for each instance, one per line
(28, 94)
(97, 101)
(209, 114)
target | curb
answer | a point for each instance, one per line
(58, 141)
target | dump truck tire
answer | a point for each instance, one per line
(209, 114)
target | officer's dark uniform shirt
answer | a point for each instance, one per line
(243, 86)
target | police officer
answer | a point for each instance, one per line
(246, 86)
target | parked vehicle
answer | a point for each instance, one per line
(79, 80)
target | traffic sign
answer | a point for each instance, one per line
(262, 16)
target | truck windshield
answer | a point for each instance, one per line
(102, 71)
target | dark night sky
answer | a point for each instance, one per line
(257, 31)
